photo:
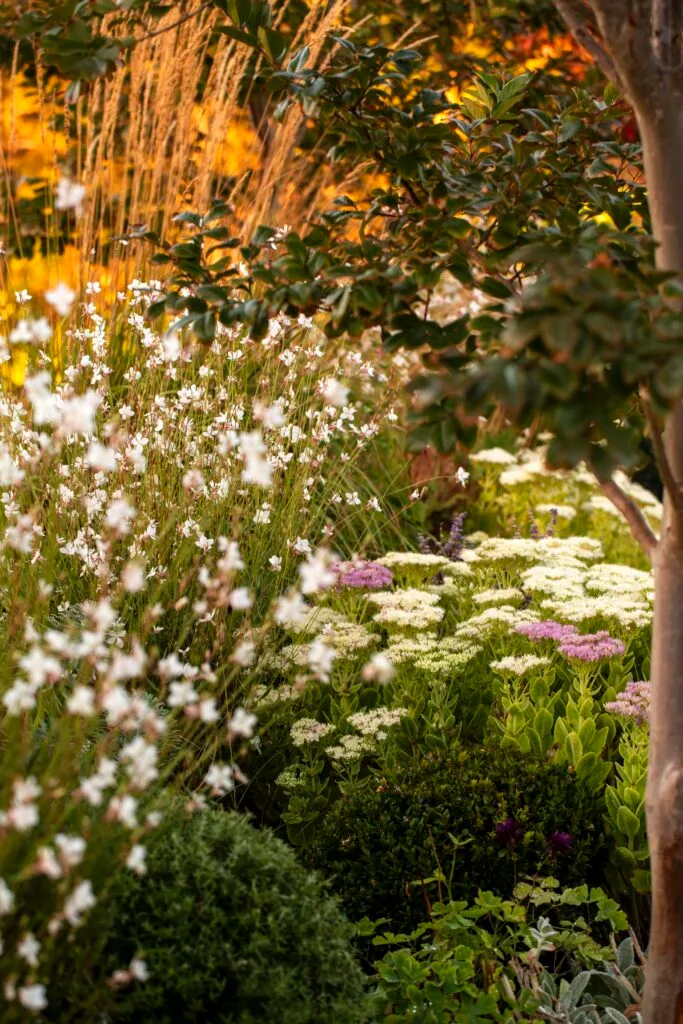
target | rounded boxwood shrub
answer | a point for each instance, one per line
(234, 930)
(484, 817)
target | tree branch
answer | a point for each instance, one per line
(174, 24)
(672, 488)
(579, 28)
(638, 524)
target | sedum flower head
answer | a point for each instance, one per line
(520, 664)
(493, 457)
(498, 596)
(350, 748)
(372, 723)
(308, 730)
(591, 646)
(364, 575)
(633, 702)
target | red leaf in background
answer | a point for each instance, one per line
(629, 130)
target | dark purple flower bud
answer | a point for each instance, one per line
(552, 523)
(453, 545)
(560, 844)
(508, 833)
(424, 544)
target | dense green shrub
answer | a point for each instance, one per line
(233, 930)
(484, 817)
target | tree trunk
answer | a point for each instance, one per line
(662, 135)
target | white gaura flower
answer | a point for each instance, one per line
(242, 723)
(40, 667)
(124, 808)
(379, 669)
(93, 787)
(119, 515)
(170, 347)
(6, 898)
(33, 997)
(28, 949)
(45, 404)
(61, 298)
(240, 599)
(133, 578)
(257, 469)
(31, 332)
(82, 701)
(116, 704)
(317, 573)
(244, 653)
(335, 393)
(320, 658)
(219, 779)
(271, 416)
(79, 902)
(181, 694)
(231, 560)
(136, 859)
(77, 414)
(71, 849)
(10, 473)
(193, 481)
(101, 458)
(208, 710)
(291, 610)
(69, 195)
(138, 969)
(47, 863)
(21, 696)
(140, 758)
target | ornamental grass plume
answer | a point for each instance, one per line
(633, 702)
(591, 646)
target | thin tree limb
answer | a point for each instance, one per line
(175, 24)
(673, 489)
(578, 27)
(638, 524)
